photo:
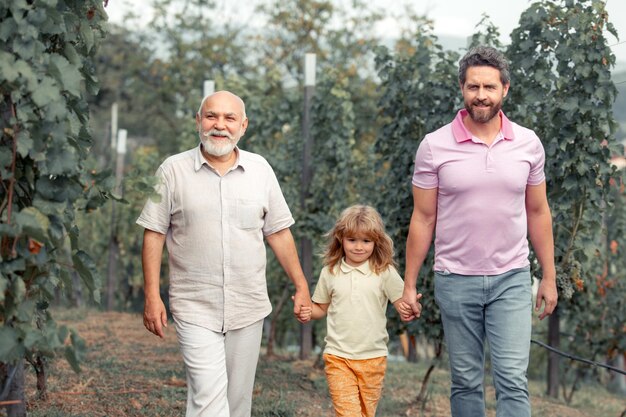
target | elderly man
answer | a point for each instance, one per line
(479, 183)
(217, 204)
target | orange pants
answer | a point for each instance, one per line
(355, 385)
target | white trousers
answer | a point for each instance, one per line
(220, 369)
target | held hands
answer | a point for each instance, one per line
(302, 308)
(409, 306)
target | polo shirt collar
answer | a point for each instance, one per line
(461, 134)
(199, 159)
(364, 268)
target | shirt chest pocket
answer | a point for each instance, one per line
(249, 214)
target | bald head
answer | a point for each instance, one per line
(225, 97)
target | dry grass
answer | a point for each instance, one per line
(129, 372)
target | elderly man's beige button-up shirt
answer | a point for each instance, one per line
(214, 227)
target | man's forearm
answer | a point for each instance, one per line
(539, 221)
(151, 261)
(284, 247)
(540, 232)
(420, 235)
(417, 245)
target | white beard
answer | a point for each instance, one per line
(217, 147)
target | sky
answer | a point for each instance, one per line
(451, 17)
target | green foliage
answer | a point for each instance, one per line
(297, 27)
(597, 310)
(98, 225)
(562, 88)
(46, 63)
(561, 69)
(487, 34)
(334, 174)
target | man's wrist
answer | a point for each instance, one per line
(548, 274)
(152, 295)
(302, 288)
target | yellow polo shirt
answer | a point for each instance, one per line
(356, 321)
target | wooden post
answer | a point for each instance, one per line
(112, 278)
(306, 246)
(113, 127)
(208, 87)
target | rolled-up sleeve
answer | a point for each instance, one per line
(278, 215)
(156, 212)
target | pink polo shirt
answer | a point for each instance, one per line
(481, 213)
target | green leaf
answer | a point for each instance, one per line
(26, 308)
(66, 74)
(8, 72)
(24, 143)
(49, 207)
(59, 188)
(7, 29)
(61, 159)
(87, 36)
(70, 53)
(72, 358)
(63, 331)
(88, 271)
(32, 339)
(26, 71)
(10, 346)
(33, 223)
(18, 290)
(57, 229)
(75, 351)
(74, 234)
(47, 92)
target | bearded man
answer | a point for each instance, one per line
(217, 205)
(479, 186)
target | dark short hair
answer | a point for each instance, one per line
(484, 56)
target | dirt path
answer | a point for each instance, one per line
(128, 372)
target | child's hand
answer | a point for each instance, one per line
(408, 311)
(404, 310)
(305, 314)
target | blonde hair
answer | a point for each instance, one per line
(355, 220)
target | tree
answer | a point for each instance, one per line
(562, 88)
(46, 62)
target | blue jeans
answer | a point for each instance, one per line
(500, 308)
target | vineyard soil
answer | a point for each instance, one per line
(129, 372)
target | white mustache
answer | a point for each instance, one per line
(214, 132)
